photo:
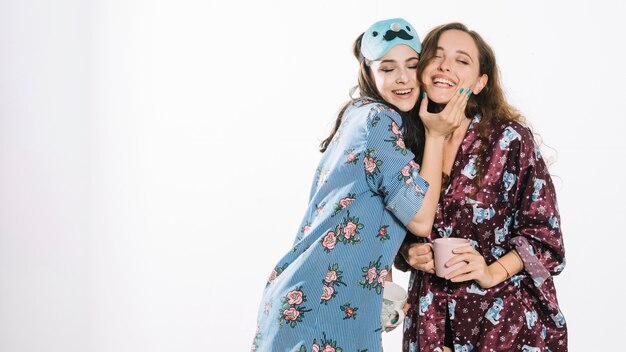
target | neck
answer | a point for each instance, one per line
(458, 134)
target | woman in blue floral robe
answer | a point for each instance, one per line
(325, 294)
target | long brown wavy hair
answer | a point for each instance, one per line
(490, 103)
(366, 89)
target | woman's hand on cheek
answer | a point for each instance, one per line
(449, 119)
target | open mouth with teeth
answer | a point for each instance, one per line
(443, 83)
(402, 91)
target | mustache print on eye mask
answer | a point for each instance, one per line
(391, 35)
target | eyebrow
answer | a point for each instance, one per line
(393, 61)
(460, 52)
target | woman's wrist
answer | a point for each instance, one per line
(495, 274)
(436, 136)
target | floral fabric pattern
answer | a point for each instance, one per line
(325, 293)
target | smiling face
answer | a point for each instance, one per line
(395, 75)
(455, 65)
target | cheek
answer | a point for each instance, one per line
(426, 73)
(381, 84)
(469, 75)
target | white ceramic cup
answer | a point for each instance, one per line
(394, 298)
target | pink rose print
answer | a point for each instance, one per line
(294, 297)
(306, 229)
(370, 164)
(382, 233)
(371, 275)
(331, 276)
(272, 277)
(329, 348)
(328, 293)
(349, 230)
(382, 276)
(291, 314)
(315, 348)
(320, 209)
(395, 129)
(406, 171)
(345, 202)
(351, 157)
(349, 312)
(400, 143)
(414, 164)
(267, 308)
(419, 189)
(329, 240)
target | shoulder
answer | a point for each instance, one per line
(512, 136)
(504, 128)
(375, 114)
(513, 131)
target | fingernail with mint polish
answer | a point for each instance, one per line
(461, 90)
(423, 95)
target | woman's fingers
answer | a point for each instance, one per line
(424, 106)
(420, 249)
(465, 249)
(454, 111)
(429, 267)
(420, 257)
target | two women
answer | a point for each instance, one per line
(326, 292)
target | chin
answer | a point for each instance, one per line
(442, 99)
(405, 106)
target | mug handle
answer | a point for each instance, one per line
(397, 323)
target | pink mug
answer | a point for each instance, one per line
(442, 249)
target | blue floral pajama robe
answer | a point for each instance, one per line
(325, 294)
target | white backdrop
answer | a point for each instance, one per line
(156, 157)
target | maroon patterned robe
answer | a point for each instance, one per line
(514, 209)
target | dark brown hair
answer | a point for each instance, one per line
(366, 88)
(490, 103)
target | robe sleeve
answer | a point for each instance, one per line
(389, 166)
(536, 232)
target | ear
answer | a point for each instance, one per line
(480, 84)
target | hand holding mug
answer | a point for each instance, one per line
(446, 260)
(419, 256)
(394, 299)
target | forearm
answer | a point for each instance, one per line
(506, 266)
(431, 170)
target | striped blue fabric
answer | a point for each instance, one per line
(326, 292)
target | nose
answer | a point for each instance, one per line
(402, 76)
(444, 64)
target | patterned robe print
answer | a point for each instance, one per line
(514, 209)
(325, 293)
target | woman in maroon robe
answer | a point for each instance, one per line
(498, 193)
